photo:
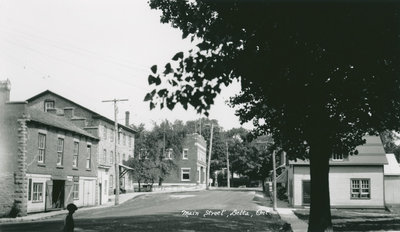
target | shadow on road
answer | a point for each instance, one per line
(197, 220)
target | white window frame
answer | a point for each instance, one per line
(37, 192)
(169, 154)
(41, 148)
(360, 189)
(337, 157)
(105, 133)
(185, 171)
(75, 155)
(60, 151)
(75, 190)
(88, 156)
(185, 154)
(104, 159)
(47, 107)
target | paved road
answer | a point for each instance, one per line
(190, 211)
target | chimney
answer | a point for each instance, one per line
(79, 122)
(69, 112)
(5, 87)
(127, 118)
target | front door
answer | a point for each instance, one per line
(58, 194)
(306, 192)
(100, 194)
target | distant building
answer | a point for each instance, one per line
(355, 181)
(101, 127)
(191, 163)
(47, 161)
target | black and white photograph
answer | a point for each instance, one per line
(199, 115)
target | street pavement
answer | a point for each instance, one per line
(186, 211)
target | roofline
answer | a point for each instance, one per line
(95, 113)
(92, 137)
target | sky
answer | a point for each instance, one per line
(94, 50)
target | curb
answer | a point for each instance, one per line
(48, 215)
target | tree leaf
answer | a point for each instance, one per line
(154, 69)
(178, 56)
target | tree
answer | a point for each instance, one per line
(389, 139)
(317, 77)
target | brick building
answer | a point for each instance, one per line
(101, 127)
(47, 160)
(191, 166)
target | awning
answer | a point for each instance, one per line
(124, 170)
(282, 178)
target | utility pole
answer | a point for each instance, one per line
(274, 179)
(164, 139)
(116, 158)
(227, 165)
(209, 158)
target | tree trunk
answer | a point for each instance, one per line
(320, 211)
(139, 186)
(160, 180)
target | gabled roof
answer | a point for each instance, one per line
(392, 168)
(371, 153)
(95, 114)
(56, 121)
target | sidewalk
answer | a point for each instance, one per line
(287, 215)
(122, 199)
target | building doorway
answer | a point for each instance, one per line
(306, 192)
(58, 194)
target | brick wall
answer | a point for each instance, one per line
(192, 161)
(50, 164)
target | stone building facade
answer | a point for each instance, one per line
(46, 160)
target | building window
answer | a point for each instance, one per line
(60, 151)
(337, 157)
(75, 191)
(37, 192)
(111, 182)
(123, 156)
(111, 157)
(42, 147)
(30, 189)
(48, 105)
(105, 133)
(360, 189)
(124, 139)
(185, 154)
(112, 135)
(169, 154)
(104, 156)
(119, 138)
(76, 155)
(130, 141)
(89, 156)
(105, 187)
(185, 174)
